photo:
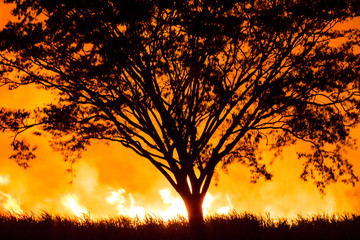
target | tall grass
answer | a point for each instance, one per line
(233, 226)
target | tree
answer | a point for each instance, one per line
(191, 86)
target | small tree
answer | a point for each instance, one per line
(188, 85)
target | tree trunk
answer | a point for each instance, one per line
(196, 218)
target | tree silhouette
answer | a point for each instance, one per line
(191, 86)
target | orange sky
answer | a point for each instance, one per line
(106, 169)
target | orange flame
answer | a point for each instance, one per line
(176, 205)
(117, 197)
(11, 204)
(71, 203)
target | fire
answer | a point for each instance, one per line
(11, 204)
(176, 205)
(117, 198)
(225, 209)
(99, 191)
(95, 196)
(71, 203)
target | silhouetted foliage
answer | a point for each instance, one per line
(189, 85)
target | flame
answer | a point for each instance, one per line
(92, 193)
(172, 206)
(223, 210)
(71, 203)
(11, 204)
(117, 198)
(176, 205)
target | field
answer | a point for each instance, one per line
(233, 226)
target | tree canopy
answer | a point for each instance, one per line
(188, 85)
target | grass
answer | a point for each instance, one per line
(233, 226)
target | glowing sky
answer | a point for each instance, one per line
(111, 179)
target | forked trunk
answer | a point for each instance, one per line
(196, 217)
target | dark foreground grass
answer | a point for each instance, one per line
(233, 226)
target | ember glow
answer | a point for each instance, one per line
(112, 180)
